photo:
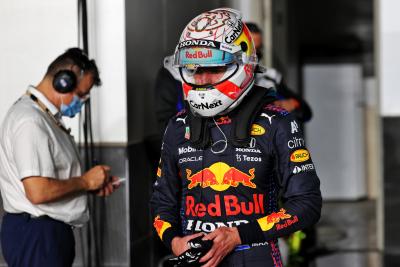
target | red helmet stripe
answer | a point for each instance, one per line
(229, 89)
(247, 32)
(186, 89)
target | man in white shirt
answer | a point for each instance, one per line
(41, 182)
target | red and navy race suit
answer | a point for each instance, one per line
(200, 190)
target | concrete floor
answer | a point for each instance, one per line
(347, 235)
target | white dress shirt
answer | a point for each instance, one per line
(32, 144)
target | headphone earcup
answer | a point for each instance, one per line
(64, 81)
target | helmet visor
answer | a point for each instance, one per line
(205, 76)
(202, 56)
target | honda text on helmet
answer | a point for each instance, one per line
(216, 59)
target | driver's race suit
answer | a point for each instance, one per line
(267, 190)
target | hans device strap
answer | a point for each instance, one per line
(249, 110)
(242, 119)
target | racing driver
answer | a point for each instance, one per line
(233, 166)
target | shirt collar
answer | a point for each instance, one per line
(50, 106)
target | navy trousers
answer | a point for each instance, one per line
(36, 242)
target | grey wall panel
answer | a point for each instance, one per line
(335, 135)
(109, 225)
(152, 32)
(144, 50)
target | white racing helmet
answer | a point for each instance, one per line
(216, 40)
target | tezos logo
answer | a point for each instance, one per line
(299, 155)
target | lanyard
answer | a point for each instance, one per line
(47, 111)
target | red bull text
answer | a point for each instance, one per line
(267, 222)
(233, 206)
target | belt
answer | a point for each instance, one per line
(32, 217)
(28, 215)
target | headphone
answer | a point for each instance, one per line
(65, 81)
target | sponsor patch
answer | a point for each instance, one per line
(187, 132)
(199, 54)
(248, 150)
(206, 105)
(181, 119)
(160, 226)
(205, 43)
(184, 150)
(248, 158)
(267, 222)
(208, 227)
(190, 159)
(257, 130)
(223, 120)
(225, 205)
(220, 176)
(303, 168)
(294, 126)
(259, 244)
(295, 142)
(287, 223)
(300, 155)
(229, 48)
(234, 34)
(268, 117)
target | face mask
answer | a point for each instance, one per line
(73, 108)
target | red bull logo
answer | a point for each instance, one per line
(267, 222)
(199, 54)
(204, 178)
(223, 120)
(220, 176)
(160, 226)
